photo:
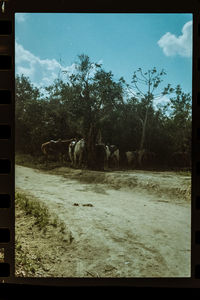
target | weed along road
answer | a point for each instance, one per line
(123, 223)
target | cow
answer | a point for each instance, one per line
(71, 151)
(58, 149)
(107, 152)
(107, 156)
(145, 158)
(132, 157)
(115, 158)
(49, 150)
(79, 153)
(129, 157)
(112, 155)
(181, 159)
(100, 156)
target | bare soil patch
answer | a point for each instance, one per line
(123, 223)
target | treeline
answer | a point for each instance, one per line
(90, 102)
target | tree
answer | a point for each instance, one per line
(181, 120)
(60, 109)
(108, 96)
(82, 82)
(28, 112)
(151, 80)
(98, 96)
(93, 105)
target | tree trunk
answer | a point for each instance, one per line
(142, 150)
(144, 130)
(90, 145)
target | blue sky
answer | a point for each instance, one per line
(48, 43)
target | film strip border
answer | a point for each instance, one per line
(7, 217)
(195, 258)
(7, 117)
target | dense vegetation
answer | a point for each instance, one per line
(91, 102)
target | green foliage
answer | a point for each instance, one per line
(125, 114)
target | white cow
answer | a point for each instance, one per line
(79, 152)
(71, 151)
(107, 154)
(112, 155)
(115, 157)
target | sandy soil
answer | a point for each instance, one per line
(123, 223)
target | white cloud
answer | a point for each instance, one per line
(42, 72)
(163, 100)
(160, 102)
(70, 69)
(21, 17)
(181, 45)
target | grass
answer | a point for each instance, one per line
(24, 263)
(28, 160)
(39, 236)
(38, 162)
(32, 206)
(184, 172)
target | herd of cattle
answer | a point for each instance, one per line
(75, 151)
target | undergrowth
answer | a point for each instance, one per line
(33, 207)
(39, 236)
(38, 162)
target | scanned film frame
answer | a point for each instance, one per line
(87, 186)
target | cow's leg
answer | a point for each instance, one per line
(117, 163)
(70, 156)
(80, 160)
(114, 162)
(46, 159)
(62, 158)
(107, 160)
(72, 159)
(105, 163)
(75, 160)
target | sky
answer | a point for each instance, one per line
(46, 43)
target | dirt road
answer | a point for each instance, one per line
(124, 224)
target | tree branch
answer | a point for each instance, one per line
(135, 95)
(138, 89)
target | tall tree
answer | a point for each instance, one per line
(98, 96)
(181, 119)
(145, 86)
(27, 111)
(82, 82)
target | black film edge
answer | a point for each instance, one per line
(7, 109)
(6, 143)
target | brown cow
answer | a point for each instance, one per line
(180, 159)
(146, 158)
(58, 149)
